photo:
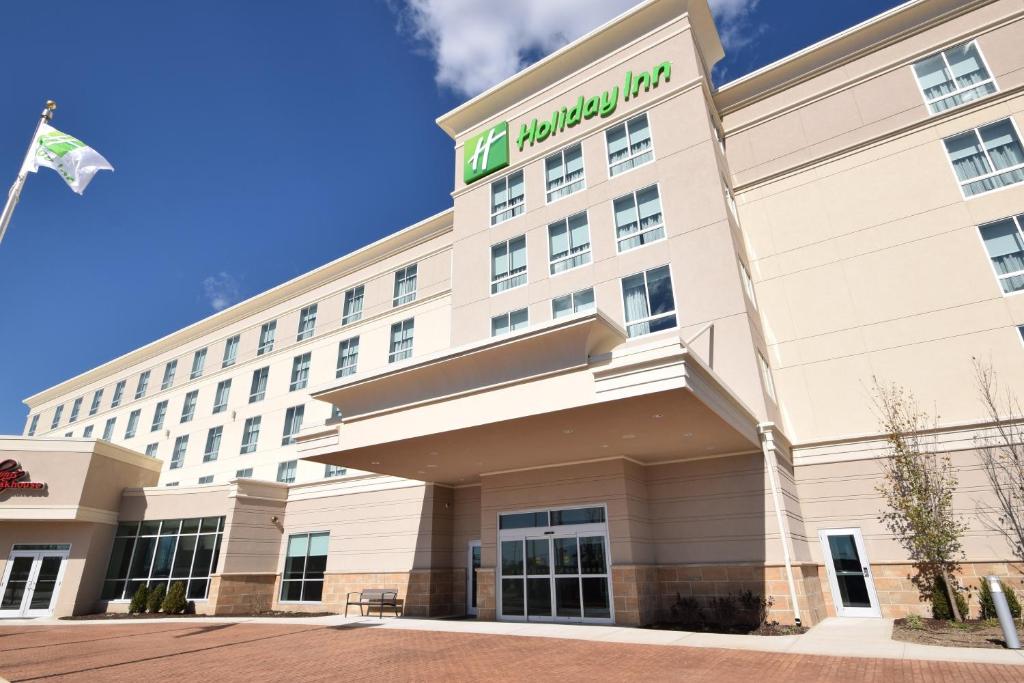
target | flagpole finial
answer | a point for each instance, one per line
(48, 110)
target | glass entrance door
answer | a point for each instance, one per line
(32, 581)
(849, 573)
(474, 564)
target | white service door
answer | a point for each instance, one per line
(849, 573)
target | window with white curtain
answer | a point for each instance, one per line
(118, 393)
(208, 479)
(507, 197)
(766, 375)
(987, 158)
(267, 333)
(188, 408)
(629, 145)
(258, 388)
(151, 449)
(75, 408)
(33, 425)
(178, 454)
(507, 323)
(638, 219)
(198, 363)
(158, 416)
(564, 173)
(954, 77)
(286, 472)
(334, 471)
(307, 323)
(140, 388)
(250, 434)
(648, 302)
(87, 432)
(401, 341)
(108, 429)
(133, 423)
(300, 372)
(220, 398)
(169, 370)
(577, 302)
(508, 264)
(244, 473)
(1004, 242)
(353, 307)
(569, 243)
(405, 285)
(230, 351)
(212, 449)
(304, 565)
(348, 357)
(748, 284)
(56, 416)
(96, 398)
(292, 424)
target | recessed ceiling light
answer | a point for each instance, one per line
(604, 445)
(567, 431)
(374, 463)
(431, 465)
(420, 472)
(657, 416)
(432, 453)
(629, 436)
(687, 435)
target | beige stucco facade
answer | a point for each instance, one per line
(814, 235)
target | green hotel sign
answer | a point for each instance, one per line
(487, 151)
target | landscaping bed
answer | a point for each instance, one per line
(769, 629)
(124, 616)
(971, 633)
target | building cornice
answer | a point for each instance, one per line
(64, 445)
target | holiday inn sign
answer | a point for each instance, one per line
(488, 151)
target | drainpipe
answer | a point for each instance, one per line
(767, 432)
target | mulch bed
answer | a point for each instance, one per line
(973, 633)
(160, 615)
(772, 629)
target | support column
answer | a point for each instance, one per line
(771, 462)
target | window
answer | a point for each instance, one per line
(33, 425)
(245, 473)
(258, 390)
(212, 449)
(96, 398)
(577, 302)
(220, 399)
(133, 423)
(401, 341)
(169, 370)
(158, 416)
(405, 285)
(1004, 242)
(198, 363)
(638, 219)
(68, 435)
(335, 413)
(353, 308)
(171, 483)
(748, 284)
(108, 429)
(569, 243)
(507, 198)
(286, 472)
(292, 424)
(1020, 328)
(76, 407)
(156, 552)
(87, 432)
(508, 264)
(230, 352)
(56, 417)
(208, 479)
(267, 334)
(510, 322)
(178, 454)
(118, 394)
(307, 323)
(987, 158)
(730, 200)
(151, 449)
(304, 565)
(188, 408)
(648, 302)
(953, 77)
(140, 388)
(348, 357)
(300, 372)
(629, 145)
(250, 434)
(331, 471)
(564, 173)
(766, 375)
(549, 518)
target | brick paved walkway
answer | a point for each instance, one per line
(224, 652)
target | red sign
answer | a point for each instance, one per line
(11, 472)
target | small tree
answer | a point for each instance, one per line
(174, 602)
(156, 598)
(138, 603)
(918, 486)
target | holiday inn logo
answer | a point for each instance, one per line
(485, 153)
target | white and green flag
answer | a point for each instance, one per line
(75, 161)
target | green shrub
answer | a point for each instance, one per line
(138, 604)
(174, 601)
(156, 598)
(940, 601)
(914, 622)
(686, 611)
(988, 607)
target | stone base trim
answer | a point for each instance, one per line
(240, 593)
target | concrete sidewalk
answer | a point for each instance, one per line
(833, 637)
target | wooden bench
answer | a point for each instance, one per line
(374, 597)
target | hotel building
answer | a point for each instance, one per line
(632, 361)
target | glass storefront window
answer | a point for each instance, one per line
(304, 566)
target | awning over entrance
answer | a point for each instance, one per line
(555, 395)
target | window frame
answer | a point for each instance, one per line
(170, 371)
(1018, 221)
(946, 65)
(76, 408)
(118, 396)
(142, 386)
(291, 430)
(391, 340)
(305, 564)
(509, 275)
(307, 322)
(398, 300)
(251, 427)
(607, 150)
(636, 206)
(507, 315)
(353, 316)
(343, 370)
(219, 407)
(988, 159)
(264, 372)
(108, 428)
(572, 302)
(97, 399)
(210, 455)
(674, 312)
(490, 199)
(767, 380)
(583, 179)
(748, 283)
(198, 363)
(296, 382)
(188, 406)
(159, 416)
(291, 466)
(231, 344)
(570, 254)
(268, 335)
(178, 453)
(132, 428)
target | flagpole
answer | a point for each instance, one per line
(19, 182)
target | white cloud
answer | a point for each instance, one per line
(476, 43)
(221, 290)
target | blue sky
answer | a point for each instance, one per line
(245, 151)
